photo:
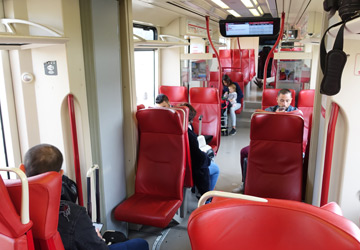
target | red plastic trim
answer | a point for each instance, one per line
(217, 55)
(75, 148)
(329, 153)
(273, 48)
(30, 240)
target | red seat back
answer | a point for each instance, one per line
(236, 59)
(206, 102)
(269, 98)
(12, 231)
(252, 63)
(160, 168)
(234, 224)
(44, 193)
(306, 105)
(245, 67)
(140, 106)
(176, 94)
(188, 181)
(275, 163)
(161, 159)
(225, 58)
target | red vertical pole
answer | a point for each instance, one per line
(273, 48)
(329, 153)
(75, 148)
(216, 54)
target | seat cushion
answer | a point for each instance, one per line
(147, 209)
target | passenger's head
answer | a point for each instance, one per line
(192, 111)
(42, 158)
(232, 88)
(226, 80)
(162, 101)
(284, 98)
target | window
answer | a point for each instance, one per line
(145, 67)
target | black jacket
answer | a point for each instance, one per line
(75, 227)
(200, 164)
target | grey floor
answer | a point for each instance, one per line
(175, 237)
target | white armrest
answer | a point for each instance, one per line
(210, 194)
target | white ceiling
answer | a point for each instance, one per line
(162, 12)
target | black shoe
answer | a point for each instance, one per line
(232, 132)
(258, 83)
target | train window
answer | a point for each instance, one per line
(146, 32)
(247, 27)
(145, 67)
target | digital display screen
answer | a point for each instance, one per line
(250, 27)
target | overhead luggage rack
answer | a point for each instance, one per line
(12, 41)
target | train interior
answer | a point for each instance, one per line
(80, 69)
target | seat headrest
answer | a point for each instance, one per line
(160, 120)
(306, 98)
(204, 95)
(44, 194)
(277, 126)
(10, 223)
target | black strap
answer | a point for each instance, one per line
(322, 45)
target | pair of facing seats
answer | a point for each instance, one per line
(250, 223)
(44, 199)
(206, 102)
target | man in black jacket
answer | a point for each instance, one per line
(75, 227)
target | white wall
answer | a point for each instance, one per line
(344, 183)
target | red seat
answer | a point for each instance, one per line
(206, 102)
(236, 59)
(176, 94)
(225, 58)
(14, 235)
(245, 67)
(275, 163)
(160, 169)
(252, 63)
(306, 105)
(234, 224)
(44, 193)
(269, 98)
(140, 106)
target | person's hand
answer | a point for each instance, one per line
(281, 109)
(98, 233)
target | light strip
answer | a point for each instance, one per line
(247, 3)
(221, 4)
(255, 2)
(234, 13)
(260, 10)
(254, 12)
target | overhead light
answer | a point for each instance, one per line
(247, 3)
(260, 10)
(234, 13)
(254, 12)
(221, 4)
(255, 2)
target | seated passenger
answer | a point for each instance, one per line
(205, 171)
(75, 227)
(283, 100)
(162, 101)
(226, 83)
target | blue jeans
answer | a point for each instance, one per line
(214, 174)
(133, 244)
(232, 110)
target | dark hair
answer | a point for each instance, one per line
(284, 92)
(192, 111)
(227, 79)
(42, 158)
(161, 98)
